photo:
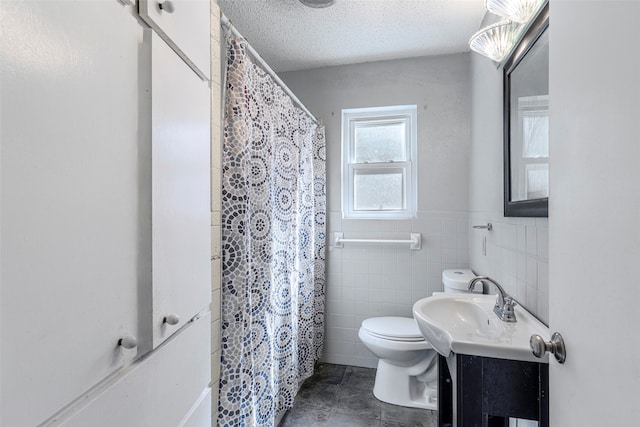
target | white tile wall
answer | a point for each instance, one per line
(370, 280)
(516, 256)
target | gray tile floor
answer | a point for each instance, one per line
(339, 395)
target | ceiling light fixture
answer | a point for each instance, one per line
(515, 10)
(497, 40)
(494, 41)
(318, 4)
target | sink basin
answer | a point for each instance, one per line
(466, 324)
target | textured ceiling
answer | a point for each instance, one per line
(290, 36)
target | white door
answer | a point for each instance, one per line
(70, 197)
(185, 26)
(181, 208)
(594, 217)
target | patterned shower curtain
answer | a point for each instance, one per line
(273, 237)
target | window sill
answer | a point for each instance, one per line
(380, 215)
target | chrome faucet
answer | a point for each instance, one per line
(504, 302)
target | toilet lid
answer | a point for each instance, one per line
(395, 328)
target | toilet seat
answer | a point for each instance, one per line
(393, 328)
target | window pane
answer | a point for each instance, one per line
(535, 134)
(378, 191)
(537, 181)
(379, 142)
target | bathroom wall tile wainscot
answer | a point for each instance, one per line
(370, 280)
(516, 254)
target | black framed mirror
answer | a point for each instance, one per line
(526, 122)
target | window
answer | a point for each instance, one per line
(530, 170)
(378, 162)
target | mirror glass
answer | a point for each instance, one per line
(527, 123)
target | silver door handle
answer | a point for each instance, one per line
(556, 346)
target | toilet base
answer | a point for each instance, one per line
(395, 385)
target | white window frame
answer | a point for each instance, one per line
(406, 114)
(532, 106)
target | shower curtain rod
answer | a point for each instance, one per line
(227, 24)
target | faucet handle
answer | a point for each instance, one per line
(510, 302)
(506, 313)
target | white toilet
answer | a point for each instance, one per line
(407, 372)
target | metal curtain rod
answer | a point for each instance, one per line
(228, 25)
(415, 240)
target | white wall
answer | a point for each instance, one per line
(517, 248)
(374, 280)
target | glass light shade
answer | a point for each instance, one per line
(494, 41)
(515, 10)
(318, 3)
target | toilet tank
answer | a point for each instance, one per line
(457, 281)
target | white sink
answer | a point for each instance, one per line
(466, 324)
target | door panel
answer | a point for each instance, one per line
(594, 237)
(201, 416)
(185, 26)
(70, 201)
(159, 390)
(181, 218)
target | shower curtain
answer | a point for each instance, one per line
(273, 243)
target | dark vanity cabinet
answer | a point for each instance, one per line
(487, 392)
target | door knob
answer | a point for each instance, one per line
(166, 6)
(172, 319)
(556, 346)
(128, 342)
